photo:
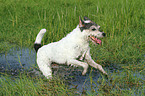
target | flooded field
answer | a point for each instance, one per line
(20, 60)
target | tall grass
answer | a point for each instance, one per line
(122, 20)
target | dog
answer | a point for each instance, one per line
(71, 50)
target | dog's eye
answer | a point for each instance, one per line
(93, 29)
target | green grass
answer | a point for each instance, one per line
(126, 83)
(27, 86)
(122, 20)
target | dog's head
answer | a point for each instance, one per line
(91, 30)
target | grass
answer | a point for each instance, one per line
(122, 20)
(28, 86)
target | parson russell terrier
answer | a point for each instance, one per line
(71, 50)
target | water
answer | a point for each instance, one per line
(19, 60)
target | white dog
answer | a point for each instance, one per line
(71, 49)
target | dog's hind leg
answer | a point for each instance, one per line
(45, 67)
(79, 63)
(91, 62)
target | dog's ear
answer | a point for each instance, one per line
(81, 22)
(86, 18)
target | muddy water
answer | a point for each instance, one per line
(19, 60)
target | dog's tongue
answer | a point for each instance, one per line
(96, 40)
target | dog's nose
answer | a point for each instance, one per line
(104, 34)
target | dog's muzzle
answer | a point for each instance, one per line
(95, 40)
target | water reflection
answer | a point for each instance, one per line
(17, 59)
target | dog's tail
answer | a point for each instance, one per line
(39, 37)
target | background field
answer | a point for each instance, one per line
(122, 20)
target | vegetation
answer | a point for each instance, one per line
(122, 49)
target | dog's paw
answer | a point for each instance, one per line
(105, 73)
(49, 77)
(83, 73)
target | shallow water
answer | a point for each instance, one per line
(19, 60)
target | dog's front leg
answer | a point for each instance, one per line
(91, 62)
(79, 63)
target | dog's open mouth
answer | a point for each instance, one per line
(95, 40)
